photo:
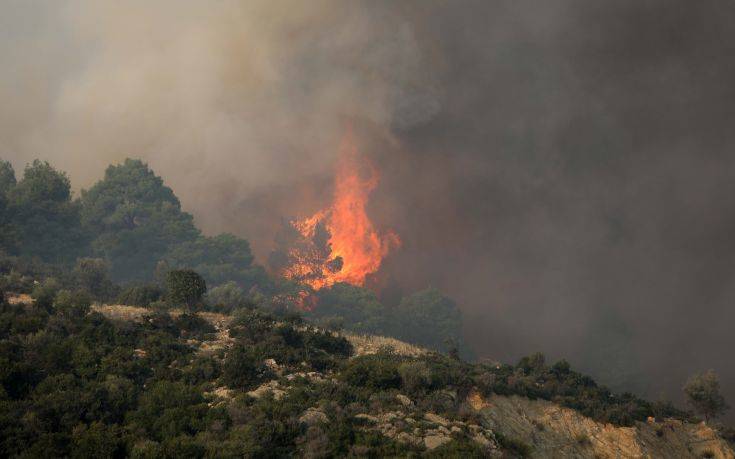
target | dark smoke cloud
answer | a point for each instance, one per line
(563, 169)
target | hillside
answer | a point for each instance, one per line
(116, 381)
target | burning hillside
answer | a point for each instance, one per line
(339, 243)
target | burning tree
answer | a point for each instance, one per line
(339, 243)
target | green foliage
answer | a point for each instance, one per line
(92, 275)
(185, 287)
(44, 293)
(375, 372)
(515, 446)
(72, 304)
(41, 220)
(135, 219)
(429, 319)
(416, 377)
(464, 448)
(532, 378)
(219, 259)
(703, 393)
(169, 409)
(426, 318)
(356, 307)
(7, 177)
(8, 231)
(242, 369)
(227, 297)
(140, 295)
(193, 326)
(97, 440)
(286, 341)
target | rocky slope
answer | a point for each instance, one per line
(554, 431)
(502, 425)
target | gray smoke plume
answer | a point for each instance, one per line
(563, 169)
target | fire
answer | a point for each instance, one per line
(340, 243)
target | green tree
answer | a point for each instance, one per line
(228, 296)
(356, 307)
(185, 286)
(8, 231)
(703, 393)
(92, 275)
(45, 219)
(74, 305)
(7, 177)
(136, 219)
(429, 319)
(219, 259)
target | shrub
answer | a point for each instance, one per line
(193, 326)
(241, 369)
(185, 286)
(703, 393)
(93, 276)
(376, 372)
(227, 297)
(72, 304)
(515, 446)
(415, 377)
(140, 295)
(45, 292)
(464, 448)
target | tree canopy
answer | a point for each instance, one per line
(219, 259)
(703, 393)
(41, 219)
(135, 218)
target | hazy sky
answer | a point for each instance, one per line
(563, 169)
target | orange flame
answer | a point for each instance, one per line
(354, 248)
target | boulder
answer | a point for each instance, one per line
(435, 441)
(436, 419)
(313, 416)
(405, 401)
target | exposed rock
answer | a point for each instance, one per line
(367, 417)
(271, 386)
(405, 401)
(518, 418)
(222, 392)
(406, 437)
(310, 375)
(456, 429)
(436, 419)
(435, 441)
(313, 416)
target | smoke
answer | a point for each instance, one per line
(563, 169)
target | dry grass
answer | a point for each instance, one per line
(121, 312)
(369, 344)
(19, 298)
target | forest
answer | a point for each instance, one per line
(76, 382)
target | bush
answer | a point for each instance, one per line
(513, 445)
(375, 372)
(193, 326)
(464, 448)
(185, 287)
(241, 369)
(415, 377)
(227, 297)
(93, 276)
(140, 295)
(45, 292)
(72, 304)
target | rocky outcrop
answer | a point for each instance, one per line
(554, 431)
(429, 431)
